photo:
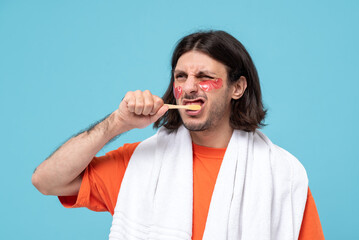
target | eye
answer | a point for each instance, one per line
(180, 77)
(205, 77)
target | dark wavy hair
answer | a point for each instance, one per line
(247, 112)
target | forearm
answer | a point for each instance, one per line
(60, 174)
(56, 175)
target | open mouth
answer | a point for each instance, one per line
(197, 101)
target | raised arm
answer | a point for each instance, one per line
(61, 173)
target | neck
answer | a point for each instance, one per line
(214, 138)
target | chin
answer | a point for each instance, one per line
(195, 123)
(192, 126)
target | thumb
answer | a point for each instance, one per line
(159, 113)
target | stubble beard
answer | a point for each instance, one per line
(197, 127)
(216, 113)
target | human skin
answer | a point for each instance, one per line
(205, 85)
(210, 125)
(209, 85)
(61, 173)
(177, 91)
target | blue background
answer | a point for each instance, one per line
(67, 64)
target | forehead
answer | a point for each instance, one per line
(195, 61)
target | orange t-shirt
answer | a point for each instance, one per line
(102, 180)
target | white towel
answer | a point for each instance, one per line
(260, 192)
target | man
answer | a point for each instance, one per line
(206, 174)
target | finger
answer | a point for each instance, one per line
(159, 113)
(157, 104)
(148, 102)
(139, 102)
(130, 101)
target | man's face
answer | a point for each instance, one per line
(199, 79)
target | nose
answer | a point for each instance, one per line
(190, 85)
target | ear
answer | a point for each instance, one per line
(239, 87)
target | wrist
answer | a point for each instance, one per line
(115, 125)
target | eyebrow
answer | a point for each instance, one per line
(199, 73)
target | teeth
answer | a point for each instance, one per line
(194, 103)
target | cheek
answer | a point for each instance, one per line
(210, 85)
(177, 91)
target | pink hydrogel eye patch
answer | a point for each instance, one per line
(209, 85)
(177, 91)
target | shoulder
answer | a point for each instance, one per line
(282, 160)
(127, 149)
(284, 155)
(120, 156)
(160, 139)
